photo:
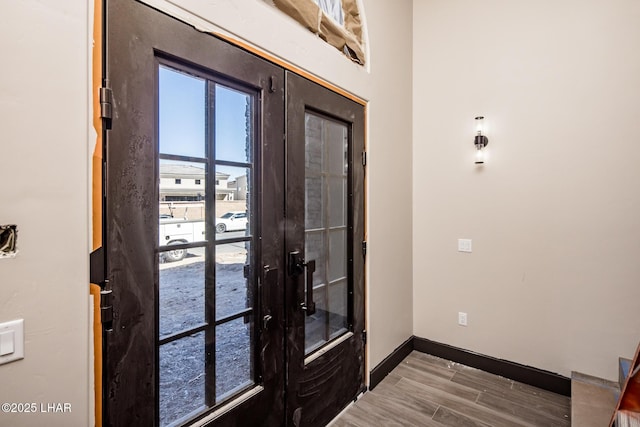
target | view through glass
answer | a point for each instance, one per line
(326, 227)
(205, 258)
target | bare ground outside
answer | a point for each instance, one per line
(182, 306)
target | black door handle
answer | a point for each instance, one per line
(297, 266)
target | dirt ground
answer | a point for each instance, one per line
(182, 362)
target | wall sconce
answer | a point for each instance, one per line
(480, 141)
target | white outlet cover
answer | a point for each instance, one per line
(462, 319)
(464, 245)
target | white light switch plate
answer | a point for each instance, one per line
(464, 245)
(11, 341)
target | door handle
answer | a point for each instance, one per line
(269, 281)
(265, 321)
(309, 306)
(297, 266)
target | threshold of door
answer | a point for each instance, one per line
(345, 409)
(228, 407)
(327, 347)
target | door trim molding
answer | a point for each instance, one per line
(530, 375)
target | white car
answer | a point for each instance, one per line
(231, 221)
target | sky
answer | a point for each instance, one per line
(182, 119)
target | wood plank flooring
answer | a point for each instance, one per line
(427, 391)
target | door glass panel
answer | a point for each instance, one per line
(182, 209)
(314, 147)
(338, 303)
(337, 200)
(206, 285)
(326, 178)
(233, 125)
(314, 248)
(316, 324)
(182, 383)
(337, 134)
(232, 201)
(314, 192)
(233, 291)
(181, 105)
(338, 254)
(233, 358)
(181, 295)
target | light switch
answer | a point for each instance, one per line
(7, 342)
(11, 341)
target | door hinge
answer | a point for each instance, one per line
(364, 337)
(364, 248)
(96, 267)
(106, 309)
(106, 105)
(364, 158)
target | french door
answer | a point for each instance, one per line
(233, 234)
(324, 216)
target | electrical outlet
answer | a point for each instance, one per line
(462, 318)
(464, 245)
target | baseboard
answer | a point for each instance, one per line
(391, 361)
(525, 374)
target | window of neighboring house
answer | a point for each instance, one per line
(338, 22)
(217, 182)
(197, 182)
(178, 181)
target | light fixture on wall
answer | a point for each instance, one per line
(480, 141)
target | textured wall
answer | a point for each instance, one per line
(554, 278)
(44, 190)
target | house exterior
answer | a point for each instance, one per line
(186, 183)
(240, 187)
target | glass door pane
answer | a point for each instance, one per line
(326, 183)
(205, 257)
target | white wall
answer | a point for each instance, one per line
(44, 190)
(554, 278)
(386, 84)
(389, 200)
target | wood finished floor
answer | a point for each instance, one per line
(428, 391)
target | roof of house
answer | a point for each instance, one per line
(179, 170)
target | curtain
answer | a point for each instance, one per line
(335, 21)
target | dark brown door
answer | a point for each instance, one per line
(233, 234)
(324, 244)
(193, 227)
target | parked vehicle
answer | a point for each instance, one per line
(231, 221)
(175, 231)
